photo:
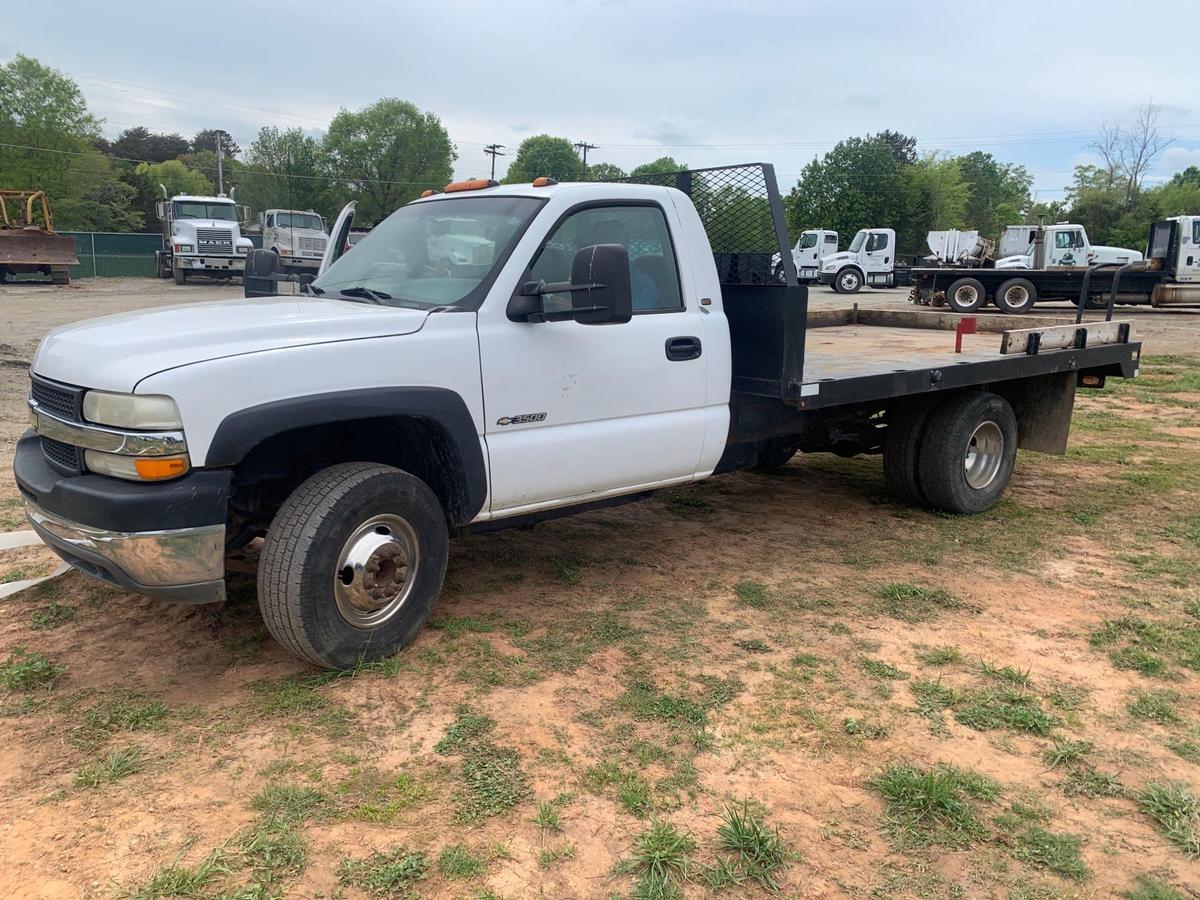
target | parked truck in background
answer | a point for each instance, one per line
(1052, 270)
(1064, 245)
(870, 259)
(593, 356)
(296, 236)
(201, 236)
(806, 254)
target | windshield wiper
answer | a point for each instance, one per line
(310, 288)
(378, 297)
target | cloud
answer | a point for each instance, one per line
(671, 130)
(1176, 159)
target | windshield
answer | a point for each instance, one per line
(198, 209)
(437, 253)
(808, 239)
(299, 220)
(856, 244)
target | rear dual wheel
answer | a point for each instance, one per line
(1016, 296)
(957, 455)
(966, 295)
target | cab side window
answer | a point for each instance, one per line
(641, 230)
(877, 242)
(1196, 232)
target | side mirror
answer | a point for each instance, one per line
(600, 289)
(260, 276)
(160, 210)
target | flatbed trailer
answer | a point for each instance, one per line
(1168, 277)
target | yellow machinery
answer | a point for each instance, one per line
(28, 242)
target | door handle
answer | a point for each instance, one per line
(683, 348)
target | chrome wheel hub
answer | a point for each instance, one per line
(985, 454)
(849, 281)
(376, 571)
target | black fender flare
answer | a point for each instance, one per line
(241, 431)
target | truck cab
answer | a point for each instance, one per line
(202, 236)
(1065, 246)
(296, 236)
(806, 254)
(870, 260)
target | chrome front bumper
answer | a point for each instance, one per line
(186, 565)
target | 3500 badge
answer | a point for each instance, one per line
(523, 419)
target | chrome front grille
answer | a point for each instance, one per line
(214, 240)
(312, 245)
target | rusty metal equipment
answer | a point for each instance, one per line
(28, 242)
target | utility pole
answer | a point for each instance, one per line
(220, 171)
(493, 150)
(583, 147)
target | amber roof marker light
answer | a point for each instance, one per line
(471, 184)
(544, 181)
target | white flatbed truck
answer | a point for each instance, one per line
(596, 356)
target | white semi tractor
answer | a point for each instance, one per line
(806, 254)
(201, 236)
(296, 236)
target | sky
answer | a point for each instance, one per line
(707, 83)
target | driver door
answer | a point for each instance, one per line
(576, 412)
(339, 237)
(879, 253)
(1068, 249)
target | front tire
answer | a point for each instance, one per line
(180, 275)
(966, 295)
(352, 564)
(967, 452)
(1016, 296)
(848, 281)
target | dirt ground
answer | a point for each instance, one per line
(907, 704)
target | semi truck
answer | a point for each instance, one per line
(296, 236)
(870, 259)
(595, 357)
(1065, 266)
(806, 254)
(201, 236)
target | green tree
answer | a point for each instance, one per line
(140, 144)
(661, 166)
(176, 177)
(48, 142)
(208, 138)
(385, 154)
(936, 199)
(285, 170)
(1181, 195)
(604, 172)
(545, 155)
(998, 193)
(860, 183)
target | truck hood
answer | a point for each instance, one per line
(114, 353)
(833, 259)
(1014, 262)
(206, 223)
(1101, 253)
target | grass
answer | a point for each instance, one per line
(752, 594)
(126, 710)
(1005, 674)
(1059, 853)
(370, 795)
(756, 850)
(51, 616)
(913, 603)
(1091, 784)
(551, 855)
(934, 806)
(1066, 753)
(1007, 707)
(117, 764)
(944, 655)
(389, 874)
(660, 860)
(547, 817)
(753, 645)
(877, 668)
(28, 670)
(1147, 887)
(492, 777)
(174, 880)
(288, 803)
(457, 861)
(1175, 809)
(1155, 706)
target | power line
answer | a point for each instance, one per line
(584, 147)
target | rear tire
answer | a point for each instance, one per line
(901, 451)
(161, 269)
(848, 281)
(780, 276)
(1016, 296)
(180, 275)
(967, 452)
(966, 295)
(352, 564)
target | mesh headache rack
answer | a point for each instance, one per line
(742, 213)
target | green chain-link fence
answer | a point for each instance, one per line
(110, 255)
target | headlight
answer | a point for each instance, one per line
(183, 248)
(244, 249)
(141, 411)
(136, 468)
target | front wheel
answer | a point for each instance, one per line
(848, 281)
(967, 452)
(180, 275)
(352, 564)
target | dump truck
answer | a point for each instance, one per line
(202, 236)
(28, 242)
(613, 342)
(1168, 276)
